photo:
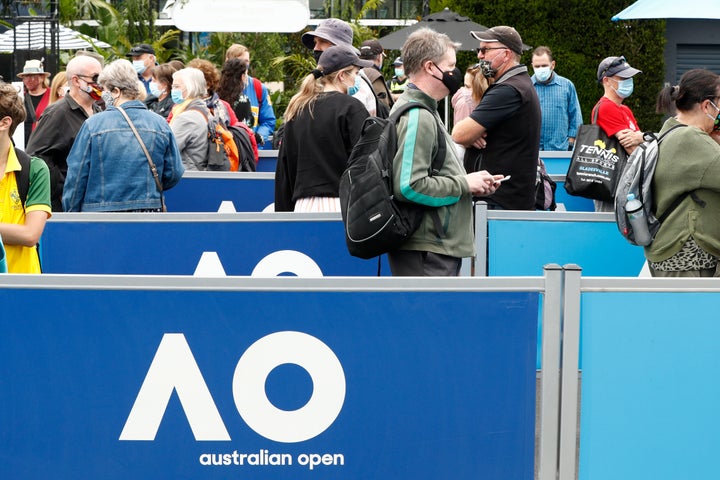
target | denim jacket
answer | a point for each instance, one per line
(108, 170)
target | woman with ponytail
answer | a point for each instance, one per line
(688, 172)
(322, 124)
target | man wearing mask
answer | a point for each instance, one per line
(506, 123)
(331, 32)
(143, 60)
(55, 133)
(616, 77)
(399, 81)
(437, 247)
(559, 103)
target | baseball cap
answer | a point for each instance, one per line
(508, 36)
(338, 57)
(333, 30)
(369, 49)
(615, 66)
(139, 49)
(398, 61)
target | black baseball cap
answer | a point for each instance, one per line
(139, 49)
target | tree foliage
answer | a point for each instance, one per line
(580, 34)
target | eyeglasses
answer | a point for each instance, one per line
(93, 78)
(483, 50)
(615, 63)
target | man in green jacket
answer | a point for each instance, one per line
(429, 61)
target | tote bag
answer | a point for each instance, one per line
(596, 164)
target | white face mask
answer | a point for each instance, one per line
(139, 66)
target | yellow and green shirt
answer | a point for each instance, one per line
(22, 259)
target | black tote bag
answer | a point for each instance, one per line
(596, 164)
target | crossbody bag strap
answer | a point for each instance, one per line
(149, 159)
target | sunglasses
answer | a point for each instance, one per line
(483, 50)
(93, 78)
(615, 63)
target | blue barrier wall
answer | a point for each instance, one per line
(205, 192)
(173, 244)
(267, 160)
(522, 243)
(115, 379)
(649, 383)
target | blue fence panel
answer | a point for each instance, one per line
(267, 161)
(173, 244)
(649, 385)
(521, 244)
(375, 384)
(205, 192)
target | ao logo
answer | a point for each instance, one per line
(174, 368)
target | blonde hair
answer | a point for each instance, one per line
(58, 81)
(310, 88)
(235, 51)
(479, 83)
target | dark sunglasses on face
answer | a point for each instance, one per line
(93, 78)
(484, 50)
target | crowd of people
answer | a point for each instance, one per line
(112, 138)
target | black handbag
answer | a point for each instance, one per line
(596, 164)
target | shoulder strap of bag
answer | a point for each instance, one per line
(258, 90)
(149, 159)
(22, 178)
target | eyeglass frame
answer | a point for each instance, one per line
(485, 49)
(93, 78)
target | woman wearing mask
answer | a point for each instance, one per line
(108, 170)
(322, 124)
(159, 100)
(58, 87)
(688, 171)
(188, 120)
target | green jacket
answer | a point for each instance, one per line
(448, 191)
(689, 159)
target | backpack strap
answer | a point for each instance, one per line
(258, 90)
(22, 178)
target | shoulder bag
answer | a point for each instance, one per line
(596, 164)
(147, 155)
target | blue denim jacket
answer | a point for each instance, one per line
(107, 169)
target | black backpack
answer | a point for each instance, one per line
(375, 222)
(245, 150)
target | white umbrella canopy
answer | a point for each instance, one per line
(37, 36)
(688, 9)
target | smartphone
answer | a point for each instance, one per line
(507, 177)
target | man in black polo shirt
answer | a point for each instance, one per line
(506, 123)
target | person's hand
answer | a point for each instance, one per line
(259, 139)
(629, 139)
(481, 142)
(482, 183)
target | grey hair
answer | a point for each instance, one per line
(422, 45)
(120, 74)
(194, 80)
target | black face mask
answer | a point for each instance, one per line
(486, 69)
(453, 79)
(316, 55)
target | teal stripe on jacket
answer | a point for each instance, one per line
(407, 167)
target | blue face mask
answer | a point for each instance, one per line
(139, 66)
(542, 74)
(176, 95)
(155, 89)
(356, 87)
(625, 88)
(399, 72)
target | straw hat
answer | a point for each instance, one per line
(33, 67)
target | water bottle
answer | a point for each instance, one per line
(636, 216)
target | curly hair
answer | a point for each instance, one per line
(231, 80)
(210, 71)
(11, 106)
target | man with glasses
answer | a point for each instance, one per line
(616, 77)
(506, 123)
(55, 133)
